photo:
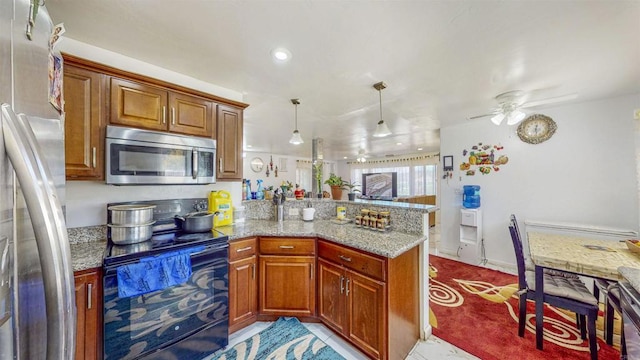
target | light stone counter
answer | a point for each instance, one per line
(389, 244)
(632, 275)
(87, 251)
(87, 255)
(569, 253)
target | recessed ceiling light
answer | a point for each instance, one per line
(398, 143)
(345, 158)
(281, 54)
(249, 146)
(419, 149)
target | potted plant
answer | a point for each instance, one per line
(336, 184)
(351, 186)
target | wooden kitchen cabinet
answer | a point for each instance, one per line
(287, 277)
(229, 146)
(88, 291)
(370, 300)
(150, 107)
(243, 283)
(84, 96)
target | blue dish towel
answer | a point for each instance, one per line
(155, 272)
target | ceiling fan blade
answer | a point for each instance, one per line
(551, 100)
(480, 116)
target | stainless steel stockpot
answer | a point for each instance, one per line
(131, 214)
(200, 221)
(131, 234)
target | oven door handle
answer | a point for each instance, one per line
(112, 269)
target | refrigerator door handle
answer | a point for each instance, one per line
(50, 230)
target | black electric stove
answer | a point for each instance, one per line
(167, 234)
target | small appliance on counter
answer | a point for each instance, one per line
(220, 205)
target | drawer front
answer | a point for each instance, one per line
(241, 249)
(365, 264)
(287, 246)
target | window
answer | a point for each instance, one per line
(416, 176)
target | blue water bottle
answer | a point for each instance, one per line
(248, 186)
(259, 192)
(471, 196)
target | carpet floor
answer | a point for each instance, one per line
(285, 339)
(476, 309)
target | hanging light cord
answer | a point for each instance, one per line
(296, 116)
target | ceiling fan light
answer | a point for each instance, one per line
(382, 130)
(515, 117)
(497, 119)
(296, 139)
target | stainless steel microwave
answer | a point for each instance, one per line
(141, 157)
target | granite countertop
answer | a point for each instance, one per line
(88, 255)
(632, 275)
(389, 244)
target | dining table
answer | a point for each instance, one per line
(592, 257)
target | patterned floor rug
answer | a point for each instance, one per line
(286, 339)
(476, 309)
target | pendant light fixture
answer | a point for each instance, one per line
(361, 157)
(296, 139)
(382, 129)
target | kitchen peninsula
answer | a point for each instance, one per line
(368, 286)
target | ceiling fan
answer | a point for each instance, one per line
(510, 104)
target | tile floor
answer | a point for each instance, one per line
(431, 349)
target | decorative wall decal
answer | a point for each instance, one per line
(483, 158)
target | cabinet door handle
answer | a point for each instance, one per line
(244, 249)
(286, 247)
(220, 164)
(253, 271)
(310, 271)
(347, 286)
(164, 114)
(347, 259)
(94, 154)
(341, 284)
(89, 291)
(173, 115)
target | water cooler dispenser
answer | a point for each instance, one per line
(470, 250)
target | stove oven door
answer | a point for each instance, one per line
(187, 321)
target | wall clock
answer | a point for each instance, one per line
(257, 164)
(536, 128)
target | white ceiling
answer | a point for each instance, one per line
(442, 61)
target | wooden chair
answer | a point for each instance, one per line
(561, 291)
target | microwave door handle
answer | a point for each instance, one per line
(194, 163)
(51, 234)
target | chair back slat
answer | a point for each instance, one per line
(517, 247)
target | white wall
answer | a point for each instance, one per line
(118, 61)
(86, 200)
(271, 180)
(585, 174)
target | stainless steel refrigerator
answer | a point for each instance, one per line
(37, 302)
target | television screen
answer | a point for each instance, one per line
(381, 186)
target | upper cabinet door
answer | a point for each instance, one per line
(138, 105)
(229, 147)
(84, 94)
(191, 115)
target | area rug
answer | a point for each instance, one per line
(286, 339)
(476, 309)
